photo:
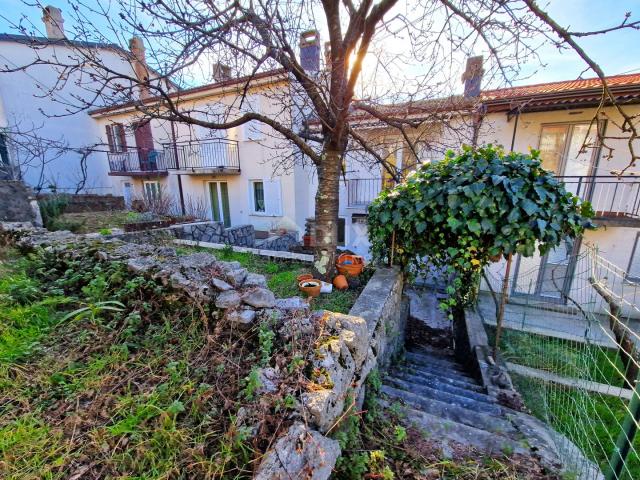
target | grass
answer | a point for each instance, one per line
(591, 421)
(91, 222)
(563, 357)
(281, 277)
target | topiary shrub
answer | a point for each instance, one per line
(470, 209)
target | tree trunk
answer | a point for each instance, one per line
(327, 205)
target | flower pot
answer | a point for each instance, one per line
(310, 287)
(304, 276)
(340, 282)
(307, 241)
(351, 265)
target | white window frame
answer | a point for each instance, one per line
(272, 197)
(151, 182)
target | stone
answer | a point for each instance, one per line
(255, 280)
(227, 266)
(293, 305)
(301, 453)
(197, 261)
(220, 284)
(269, 380)
(353, 332)
(141, 264)
(259, 298)
(241, 318)
(228, 299)
(236, 277)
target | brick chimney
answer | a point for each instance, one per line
(53, 22)
(310, 51)
(472, 76)
(139, 64)
(221, 72)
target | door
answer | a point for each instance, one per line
(219, 199)
(144, 145)
(127, 193)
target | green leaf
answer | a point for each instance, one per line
(529, 207)
(474, 226)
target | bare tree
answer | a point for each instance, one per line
(378, 54)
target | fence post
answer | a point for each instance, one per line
(625, 437)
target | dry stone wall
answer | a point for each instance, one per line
(354, 345)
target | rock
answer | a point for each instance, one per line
(269, 380)
(241, 318)
(228, 299)
(197, 261)
(293, 305)
(353, 332)
(227, 266)
(259, 298)
(220, 284)
(255, 280)
(141, 264)
(236, 276)
(301, 453)
(167, 252)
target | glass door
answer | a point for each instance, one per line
(219, 198)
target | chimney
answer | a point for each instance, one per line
(310, 51)
(53, 22)
(472, 76)
(221, 72)
(139, 64)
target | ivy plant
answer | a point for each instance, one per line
(470, 209)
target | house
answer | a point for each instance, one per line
(43, 141)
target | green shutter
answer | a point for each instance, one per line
(215, 205)
(224, 195)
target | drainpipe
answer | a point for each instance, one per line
(175, 154)
(515, 127)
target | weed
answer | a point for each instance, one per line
(265, 341)
(400, 433)
(251, 384)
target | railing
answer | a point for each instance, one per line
(206, 154)
(137, 160)
(362, 191)
(610, 196)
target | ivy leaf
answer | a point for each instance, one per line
(474, 226)
(529, 207)
(421, 227)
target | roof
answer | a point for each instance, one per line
(203, 89)
(28, 40)
(566, 94)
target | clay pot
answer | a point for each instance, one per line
(340, 282)
(304, 276)
(351, 265)
(311, 287)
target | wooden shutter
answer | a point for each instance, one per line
(123, 137)
(110, 138)
(272, 197)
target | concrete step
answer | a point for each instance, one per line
(426, 391)
(446, 353)
(438, 384)
(447, 431)
(439, 370)
(429, 374)
(424, 358)
(483, 421)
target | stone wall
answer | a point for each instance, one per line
(87, 202)
(17, 203)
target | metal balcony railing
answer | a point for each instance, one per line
(206, 154)
(362, 191)
(137, 160)
(611, 196)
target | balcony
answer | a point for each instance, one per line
(615, 200)
(206, 157)
(137, 162)
(362, 191)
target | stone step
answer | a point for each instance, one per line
(440, 371)
(426, 391)
(446, 353)
(446, 432)
(483, 421)
(455, 380)
(439, 384)
(430, 359)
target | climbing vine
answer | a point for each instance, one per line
(470, 209)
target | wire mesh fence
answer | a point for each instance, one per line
(572, 343)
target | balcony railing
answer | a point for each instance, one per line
(213, 154)
(612, 197)
(362, 191)
(137, 161)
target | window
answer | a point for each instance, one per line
(560, 148)
(265, 197)
(633, 272)
(116, 137)
(151, 191)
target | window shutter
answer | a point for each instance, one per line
(123, 137)
(110, 138)
(272, 197)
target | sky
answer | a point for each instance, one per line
(617, 52)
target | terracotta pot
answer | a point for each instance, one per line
(307, 240)
(351, 265)
(304, 276)
(340, 282)
(310, 287)
(496, 258)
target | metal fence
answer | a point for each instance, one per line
(135, 160)
(610, 196)
(574, 357)
(209, 154)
